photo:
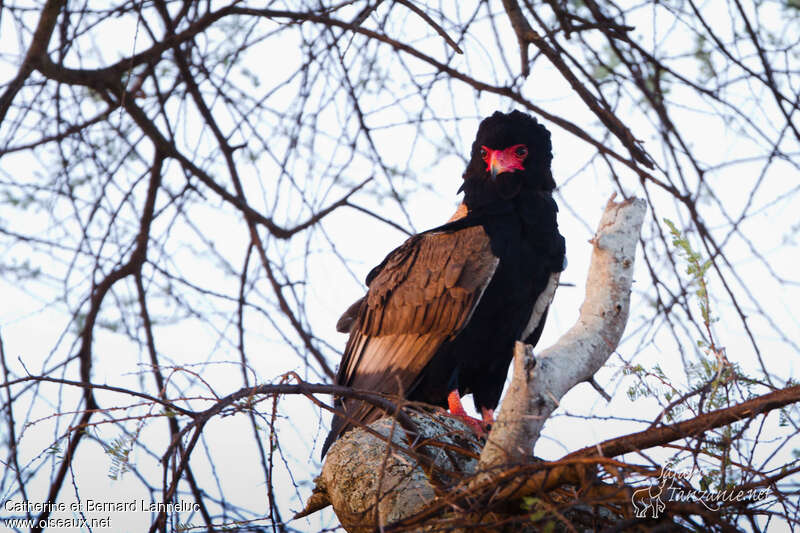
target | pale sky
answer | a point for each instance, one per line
(32, 319)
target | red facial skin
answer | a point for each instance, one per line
(507, 160)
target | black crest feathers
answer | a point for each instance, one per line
(504, 129)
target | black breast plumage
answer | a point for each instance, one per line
(443, 310)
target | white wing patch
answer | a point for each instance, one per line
(542, 302)
(482, 290)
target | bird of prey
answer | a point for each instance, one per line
(443, 310)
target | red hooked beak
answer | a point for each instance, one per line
(507, 160)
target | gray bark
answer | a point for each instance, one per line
(372, 484)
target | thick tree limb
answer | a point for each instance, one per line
(371, 483)
(656, 436)
(360, 468)
(581, 351)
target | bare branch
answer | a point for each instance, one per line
(582, 350)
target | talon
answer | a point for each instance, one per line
(488, 419)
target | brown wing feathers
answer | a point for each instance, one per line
(423, 295)
(429, 284)
(349, 317)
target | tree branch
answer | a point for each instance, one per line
(536, 386)
(581, 351)
(36, 51)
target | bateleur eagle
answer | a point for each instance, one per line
(444, 309)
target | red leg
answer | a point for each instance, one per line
(454, 404)
(456, 409)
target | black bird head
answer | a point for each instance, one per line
(511, 152)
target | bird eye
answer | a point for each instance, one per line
(484, 153)
(521, 151)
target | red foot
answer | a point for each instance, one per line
(456, 409)
(488, 418)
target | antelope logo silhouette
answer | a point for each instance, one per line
(649, 498)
